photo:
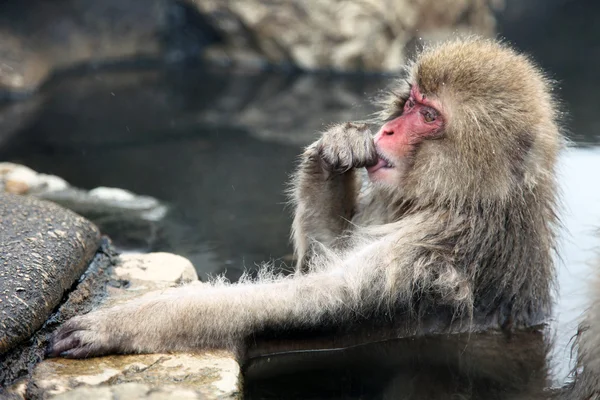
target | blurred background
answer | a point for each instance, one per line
(205, 105)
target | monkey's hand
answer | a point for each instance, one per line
(84, 336)
(346, 146)
(145, 325)
(133, 327)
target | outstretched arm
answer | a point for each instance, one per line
(326, 186)
(216, 317)
(377, 276)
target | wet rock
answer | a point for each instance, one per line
(117, 212)
(111, 202)
(141, 274)
(160, 267)
(17, 364)
(209, 375)
(206, 375)
(19, 179)
(43, 250)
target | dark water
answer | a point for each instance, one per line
(218, 148)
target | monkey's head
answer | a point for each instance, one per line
(473, 121)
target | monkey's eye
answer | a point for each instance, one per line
(409, 104)
(429, 115)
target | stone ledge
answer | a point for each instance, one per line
(203, 375)
(209, 375)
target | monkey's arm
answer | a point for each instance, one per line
(325, 188)
(207, 318)
(376, 278)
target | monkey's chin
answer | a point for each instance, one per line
(384, 175)
(387, 175)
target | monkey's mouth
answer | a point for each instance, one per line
(382, 163)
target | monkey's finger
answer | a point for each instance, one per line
(368, 158)
(65, 330)
(58, 347)
(372, 156)
(84, 351)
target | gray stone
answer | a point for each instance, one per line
(43, 250)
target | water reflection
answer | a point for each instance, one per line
(218, 148)
(480, 366)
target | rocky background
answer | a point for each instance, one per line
(41, 38)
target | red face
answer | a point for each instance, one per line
(421, 119)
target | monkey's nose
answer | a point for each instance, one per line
(383, 132)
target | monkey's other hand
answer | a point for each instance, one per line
(84, 336)
(346, 146)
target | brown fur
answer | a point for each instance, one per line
(462, 243)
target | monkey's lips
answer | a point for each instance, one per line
(382, 163)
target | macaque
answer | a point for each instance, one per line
(452, 232)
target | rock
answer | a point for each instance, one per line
(16, 391)
(43, 250)
(36, 238)
(160, 267)
(117, 211)
(112, 194)
(19, 179)
(131, 220)
(209, 375)
(141, 274)
(205, 375)
(97, 202)
(130, 391)
(346, 35)
(40, 39)
(17, 364)
(16, 187)
(22, 68)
